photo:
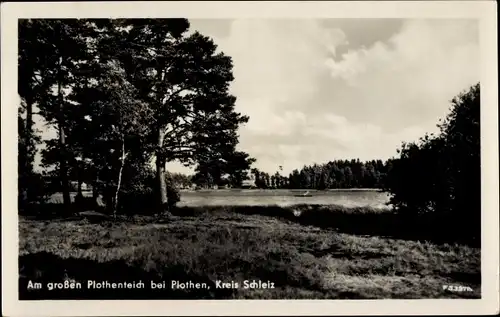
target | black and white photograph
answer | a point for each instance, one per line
(191, 157)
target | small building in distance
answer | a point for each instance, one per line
(248, 183)
(85, 186)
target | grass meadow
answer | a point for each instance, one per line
(307, 251)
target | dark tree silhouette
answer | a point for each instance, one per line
(440, 174)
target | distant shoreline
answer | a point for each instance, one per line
(283, 189)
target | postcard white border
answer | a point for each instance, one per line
(485, 11)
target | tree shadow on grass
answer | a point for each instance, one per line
(358, 221)
(396, 225)
(433, 228)
(45, 268)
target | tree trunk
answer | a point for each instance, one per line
(95, 196)
(29, 145)
(25, 168)
(25, 162)
(95, 193)
(64, 170)
(124, 156)
(108, 198)
(62, 144)
(80, 193)
(160, 175)
(79, 203)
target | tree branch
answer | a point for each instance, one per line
(178, 129)
(37, 80)
(175, 93)
(181, 153)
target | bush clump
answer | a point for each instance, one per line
(140, 197)
(440, 176)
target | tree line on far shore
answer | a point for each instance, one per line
(336, 174)
(332, 175)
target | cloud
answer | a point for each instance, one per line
(410, 79)
(277, 64)
(309, 104)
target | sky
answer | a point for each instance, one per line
(318, 90)
(323, 89)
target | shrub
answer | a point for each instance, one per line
(33, 191)
(139, 196)
(440, 174)
(173, 193)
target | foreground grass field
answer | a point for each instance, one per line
(302, 258)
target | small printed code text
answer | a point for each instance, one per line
(457, 288)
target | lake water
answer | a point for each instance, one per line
(252, 197)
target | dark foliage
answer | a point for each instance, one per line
(441, 174)
(332, 175)
(229, 169)
(139, 195)
(119, 93)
